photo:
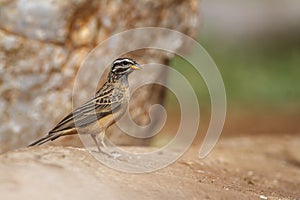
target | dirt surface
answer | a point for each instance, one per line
(260, 167)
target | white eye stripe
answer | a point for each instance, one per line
(116, 67)
(118, 61)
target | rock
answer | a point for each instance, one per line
(43, 43)
(49, 172)
(47, 20)
(56, 172)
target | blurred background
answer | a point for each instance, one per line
(256, 45)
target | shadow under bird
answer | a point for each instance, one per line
(97, 114)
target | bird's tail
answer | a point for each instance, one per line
(46, 139)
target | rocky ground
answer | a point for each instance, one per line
(248, 167)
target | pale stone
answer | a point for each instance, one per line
(43, 43)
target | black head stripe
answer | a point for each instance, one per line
(120, 68)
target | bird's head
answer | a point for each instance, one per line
(122, 67)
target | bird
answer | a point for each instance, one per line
(100, 112)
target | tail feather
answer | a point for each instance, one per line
(46, 139)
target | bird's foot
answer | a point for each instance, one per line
(108, 153)
(115, 154)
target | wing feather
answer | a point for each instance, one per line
(94, 109)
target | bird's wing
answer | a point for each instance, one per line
(100, 106)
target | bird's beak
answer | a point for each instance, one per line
(135, 67)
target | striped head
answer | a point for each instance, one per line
(122, 67)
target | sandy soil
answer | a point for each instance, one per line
(260, 167)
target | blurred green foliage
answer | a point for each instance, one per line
(260, 74)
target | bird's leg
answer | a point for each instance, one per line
(99, 141)
(102, 139)
(94, 137)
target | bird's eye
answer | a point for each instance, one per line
(125, 63)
